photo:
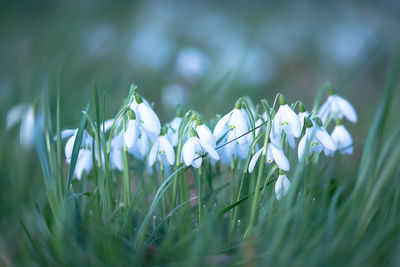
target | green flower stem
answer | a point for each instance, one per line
(200, 202)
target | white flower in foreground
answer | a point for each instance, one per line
(194, 149)
(282, 186)
(145, 115)
(274, 153)
(173, 130)
(87, 141)
(337, 107)
(25, 114)
(83, 163)
(163, 150)
(343, 140)
(286, 120)
(317, 139)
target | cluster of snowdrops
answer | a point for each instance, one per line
(187, 139)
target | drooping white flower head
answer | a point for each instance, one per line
(282, 186)
(145, 115)
(274, 153)
(317, 139)
(231, 127)
(162, 150)
(337, 107)
(286, 120)
(194, 149)
(87, 141)
(25, 114)
(83, 163)
(343, 140)
(173, 130)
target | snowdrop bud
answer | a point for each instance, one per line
(301, 107)
(331, 91)
(282, 99)
(308, 122)
(132, 115)
(318, 121)
(138, 99)
(238, 104)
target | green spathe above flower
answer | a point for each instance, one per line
(337, 107)
(145, 115)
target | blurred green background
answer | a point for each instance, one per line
(203, 55)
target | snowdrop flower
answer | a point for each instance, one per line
(87, 141)
(194, 149)
(274, 153)
(286, 120)
(25, 114)
(342, 138)
(282, 186)
(163, 150)
(337, 107)
(173, 129)
(317, 139)
(231, 126)
(132, 130)
(83, 163)
(145, 115)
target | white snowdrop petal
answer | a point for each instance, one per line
(323, 112)
(210, 150)
(254, 160)
(188, 151)
(116, 159)
(149, 119)
(27, 131)
(325, 139)
(205, 134)
(302, 147)
(67, 133)
(221, 128)
(280, 158)
(84, 162)
(294, 122)
(69, 146)
(276, 123)
(131, 135)
(166, 146)
(197, 163)
(282, 186)
(153, 153)
(347, 109)
(15, 114)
